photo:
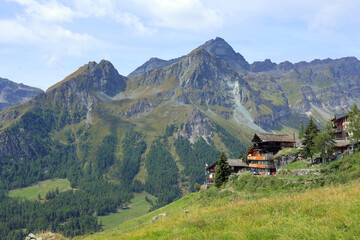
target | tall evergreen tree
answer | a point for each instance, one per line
(311, 131)
(222, 172)
(301, 130)
(354, 124)
(241, 155)
(324, 142)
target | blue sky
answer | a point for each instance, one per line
(41, 42)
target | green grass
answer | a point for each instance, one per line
(137, 207)
(259, 207)
(32, 192)
(297, 165)
(325, 213)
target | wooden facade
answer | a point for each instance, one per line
(261, 154)
(341, 133)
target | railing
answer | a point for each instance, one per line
(257, 165)
(267, 156)
(262, 165)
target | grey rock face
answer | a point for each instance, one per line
(77, 92)
(197, 125)
(264, 66)
(142, 106)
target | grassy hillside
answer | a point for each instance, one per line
(325, 213)
(43, 187)
(137, 207)
(260, 207)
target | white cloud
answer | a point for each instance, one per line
(51, 60)
(11, 31)
(182, 14)
(113, 10)
(335, 14)
(50, 11)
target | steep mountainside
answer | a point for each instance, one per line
(12, 94)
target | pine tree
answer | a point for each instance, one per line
(354, 124)
(222, 172)
(241, 155)
(311, 131)
(324, 142)
(301, 130)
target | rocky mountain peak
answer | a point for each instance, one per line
(224, 51)
(101, 77)
(263, 66)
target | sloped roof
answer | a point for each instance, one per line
(232, 163)
(269, 137)
(339, 116)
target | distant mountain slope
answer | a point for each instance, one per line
(12, 93)
(152, 64)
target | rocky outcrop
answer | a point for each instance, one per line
(264, 66)
(142, 106)
(299, 172)
(284, 160)
(12, 93)
(44, 236)
(308, 98)
(158, 216)
(285, 66)
(197, 125)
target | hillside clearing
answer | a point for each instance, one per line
(43, 187)
(137, 207)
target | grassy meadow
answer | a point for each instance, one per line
(325, 213)
(43, 187)
(137, 207)
(259, 207)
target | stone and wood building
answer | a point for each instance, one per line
(261, 154)
(341, 133)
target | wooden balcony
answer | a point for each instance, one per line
(257, 165)
(262, 165)
(262, 157)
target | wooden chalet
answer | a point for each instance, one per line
(235, 165)
(341, 133)
(261, 154)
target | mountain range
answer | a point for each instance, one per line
(207, 101)
(12, 94)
